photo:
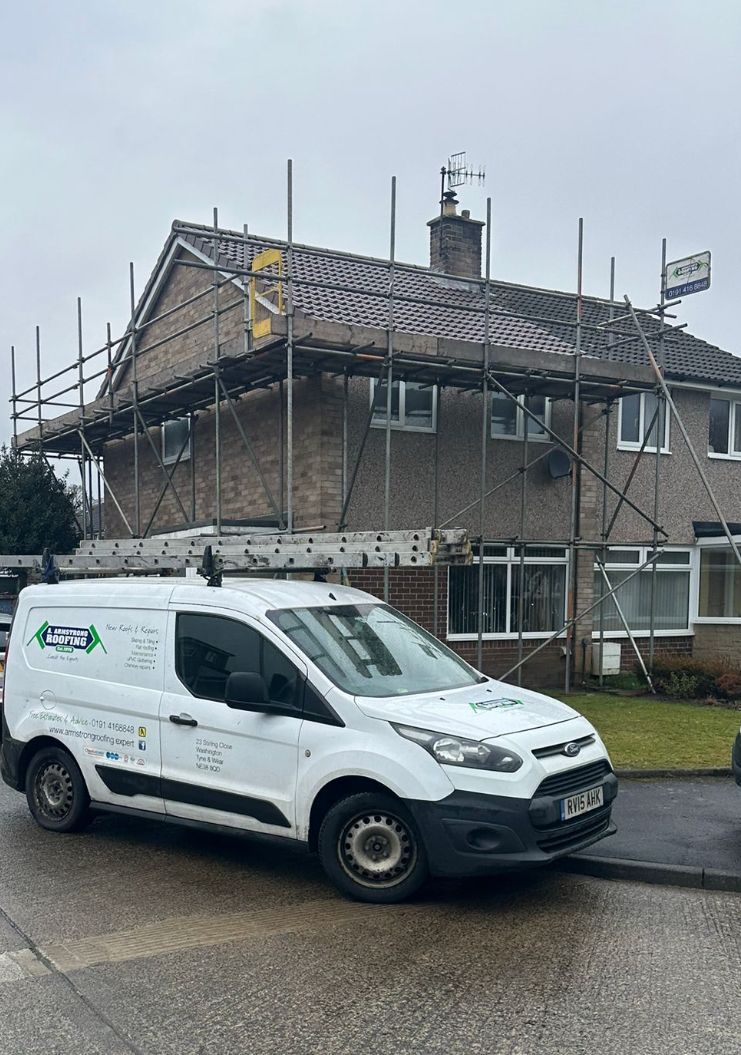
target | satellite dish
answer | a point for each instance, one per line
(559, 463)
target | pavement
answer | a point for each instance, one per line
(681, 830)
(135, 937)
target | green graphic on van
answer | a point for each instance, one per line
(68, 638)
(491, 705)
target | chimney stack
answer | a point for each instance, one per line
(455, 240)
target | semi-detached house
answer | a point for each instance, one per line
(340, 332)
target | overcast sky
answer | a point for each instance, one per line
(117, 116)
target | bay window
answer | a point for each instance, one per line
(720, 584)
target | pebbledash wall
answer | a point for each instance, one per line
(318, 418)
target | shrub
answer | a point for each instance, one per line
(682, 685)
(687, 678)
(729, 685)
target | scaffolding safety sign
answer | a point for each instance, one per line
(689, 275)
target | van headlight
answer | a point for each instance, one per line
(457, 751)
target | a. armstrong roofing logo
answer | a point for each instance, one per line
(68, 638)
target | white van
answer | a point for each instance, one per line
(296, 710)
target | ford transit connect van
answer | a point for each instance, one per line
(296, 710)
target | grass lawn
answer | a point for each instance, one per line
(654, 734)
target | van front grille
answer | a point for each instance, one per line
(557, 749)
(572, 780)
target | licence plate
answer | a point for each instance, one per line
(585, 801)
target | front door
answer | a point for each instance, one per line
(219, 764)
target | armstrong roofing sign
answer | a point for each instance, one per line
(690, 275)
(68, 638)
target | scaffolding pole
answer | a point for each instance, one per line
(217, 379)
(521, 564)
(485, 425)
(605, 471)
(436, 507)
(80, 382)
(135, 400)
(660, 436)
(389, 380)
(575, 468)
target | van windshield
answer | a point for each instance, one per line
(373, 650)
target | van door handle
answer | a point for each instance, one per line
(182, 719)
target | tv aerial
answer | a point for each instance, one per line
(458, 172)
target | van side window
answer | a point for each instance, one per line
(208, 648)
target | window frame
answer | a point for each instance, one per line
(519, 433)
(401, 425)
(263, 638)
(171, 459)
(512, 561)
(632, 445)
(708, 544)
(690, 566)
(734, 402)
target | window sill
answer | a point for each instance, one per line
(621, 634)
(529, 636)
(521, 439)
(718, 620)
(724, 457)
(171, 461)
(635, 448)
(396, 427)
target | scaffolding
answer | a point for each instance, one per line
(258, 278)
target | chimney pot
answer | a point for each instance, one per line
(449, 203)
(466, 214)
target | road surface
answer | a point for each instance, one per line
(139, 938)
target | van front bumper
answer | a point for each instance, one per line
(468, 834)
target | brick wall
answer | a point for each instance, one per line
(457, 249)
(317, 433)
(718, 641)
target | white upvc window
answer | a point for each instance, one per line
(638, 415)
(413, 406)
(508, 418)
(672, 584)
(544, 589)
(724, 427)
(174, 435)
(719, 592)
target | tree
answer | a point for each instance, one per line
(37, 507)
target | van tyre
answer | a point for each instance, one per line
(55, 790)
(370, 848)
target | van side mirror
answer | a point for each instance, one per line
(246, 691)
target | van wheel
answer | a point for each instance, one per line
(56, 792)
(370, 848)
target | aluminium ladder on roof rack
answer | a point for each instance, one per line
(299, 552)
